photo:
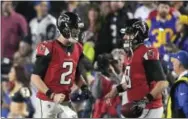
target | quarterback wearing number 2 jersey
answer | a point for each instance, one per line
(62, 62)
(57, 68)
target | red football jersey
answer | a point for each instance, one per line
(60, 74)
(100, 106)
(136, 77)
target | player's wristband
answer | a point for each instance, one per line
(149, 97)
(49, 93)
(120, 88)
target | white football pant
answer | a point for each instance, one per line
(47, 109)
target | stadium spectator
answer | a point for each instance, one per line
(20, 93)
(72, 5)
(162, 28)
(43, 26)
(181, 39)
(178, 100)
(104, 8)
(82, 10)
(109, 36)
(91, 34)
(143, 11)
(14, 28)
(172, 11)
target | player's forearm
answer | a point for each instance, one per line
(159, 87)
(37, 81)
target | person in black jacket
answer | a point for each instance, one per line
(109, 36)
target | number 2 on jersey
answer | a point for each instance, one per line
(68, 65)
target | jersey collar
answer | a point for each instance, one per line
(66, 48)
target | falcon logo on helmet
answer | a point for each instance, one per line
(69, 25)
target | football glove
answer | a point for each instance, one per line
(134, 109)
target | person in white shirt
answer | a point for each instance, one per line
(43, 26)
(143, 11)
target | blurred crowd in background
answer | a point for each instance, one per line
(25, 24)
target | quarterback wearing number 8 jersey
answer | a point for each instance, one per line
(56, 68)
(144, 76)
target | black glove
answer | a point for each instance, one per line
(135, 109)
(139, 106)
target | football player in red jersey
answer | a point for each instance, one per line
(145, 79)
(55, 68)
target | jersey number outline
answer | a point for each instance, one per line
(68, 65)
(126, 76)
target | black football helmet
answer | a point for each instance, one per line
(69, 25)
(135, 32)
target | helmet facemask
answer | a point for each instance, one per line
(129, 39)
(69, 25)
(73, 33)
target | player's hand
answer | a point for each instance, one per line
(139, 106)
(112, 93)
(59, 98)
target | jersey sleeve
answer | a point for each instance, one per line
(43, 57)
(43, 49)
(152, 65)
